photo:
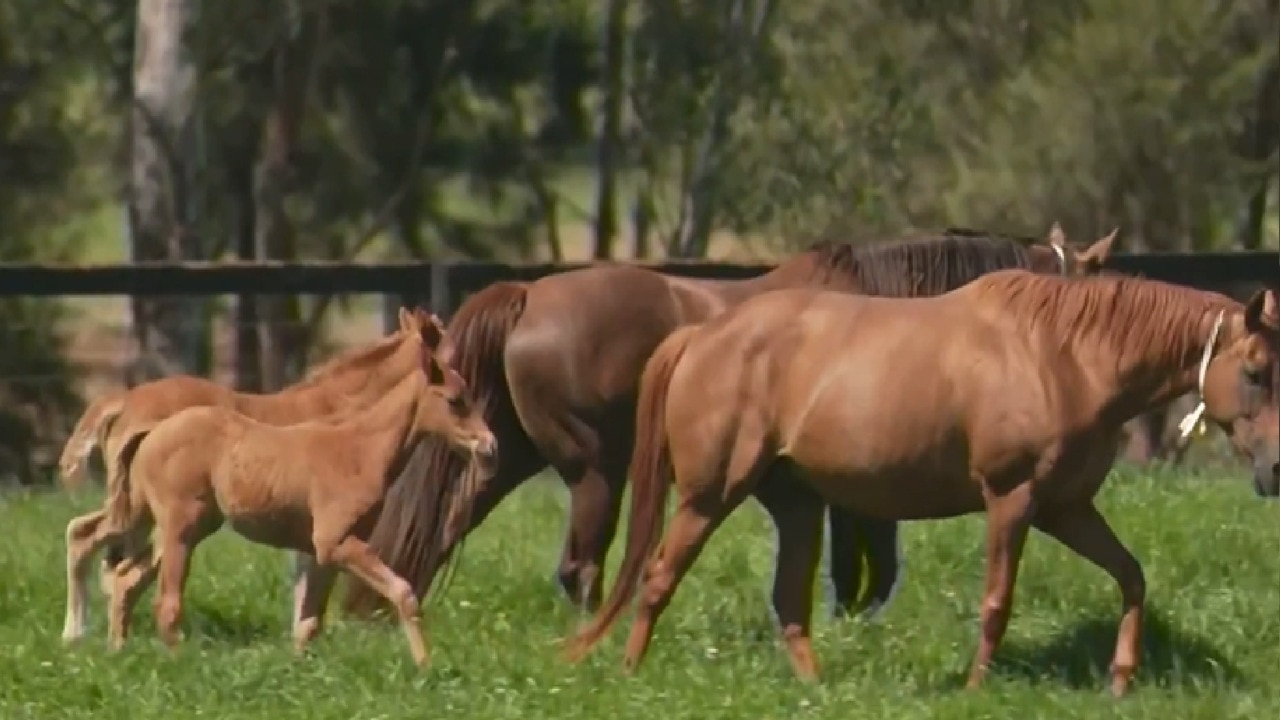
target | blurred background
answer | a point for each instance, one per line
(382, 130)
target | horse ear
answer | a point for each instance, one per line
(406, 320)
(433, 333)
(1057, 238)
(1096, 255)
(1261, 312)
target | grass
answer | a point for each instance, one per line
(1212, 647)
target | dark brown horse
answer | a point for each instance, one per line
(555, 365)
(1006, 396)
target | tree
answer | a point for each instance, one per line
(163, 188)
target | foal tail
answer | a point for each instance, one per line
(87, 435)
(119, 501)
(410, 534)
(650, 475)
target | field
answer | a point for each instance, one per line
(1212, 649)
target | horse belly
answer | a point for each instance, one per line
(893, 460)
(287, 530)
(899, 493)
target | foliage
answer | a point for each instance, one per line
(1212, 637)
(473, 127)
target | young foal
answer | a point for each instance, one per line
(313, 487)
(123, 419)
(1007, 395)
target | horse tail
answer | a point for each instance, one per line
(410, 534)
(119, 500)
(87, 434)
(650, 475)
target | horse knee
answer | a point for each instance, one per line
(403, 597)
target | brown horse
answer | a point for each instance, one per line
(123, 419)
(1007, 395)
(312, 487)
(555, 365)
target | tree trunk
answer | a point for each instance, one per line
(173, 334)
(607, 145)
(280, 329)
(700, 197)
(248, 350)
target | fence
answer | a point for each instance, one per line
(444, 284)
(102, 345)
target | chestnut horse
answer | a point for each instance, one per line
(1007, 395)
(311, 487)
(555, 365)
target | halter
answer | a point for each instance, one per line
(1062, 257)
(1189, 423)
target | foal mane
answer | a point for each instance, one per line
(918, 266)
(359, 356)
(1123, 311)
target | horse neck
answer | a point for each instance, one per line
(366, 376)
(1144, 366)
(388, 429)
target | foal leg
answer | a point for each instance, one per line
(314, 584)
(1083, 529)
(797, 515)
(127, 585)
(1008, 518)
(81, 534)
(354, 556)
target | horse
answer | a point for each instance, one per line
(311, 487)
(117, 422)
(1007, 395)
(555, 365)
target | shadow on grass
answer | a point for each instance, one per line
(212, 624)
(1080, 657)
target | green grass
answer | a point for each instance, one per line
(1210, 548)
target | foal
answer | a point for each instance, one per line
(313, 487)
(118, 422)
(1007, 395)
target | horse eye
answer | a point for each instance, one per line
(1254, 375)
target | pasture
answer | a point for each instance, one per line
(1210, 548)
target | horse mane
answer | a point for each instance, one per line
(1120, 310)
(368, 354)
(918, 266)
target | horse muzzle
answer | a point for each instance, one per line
(1266, 480)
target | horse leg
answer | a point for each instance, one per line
(595, 503)
(1083, 530)
(355, 556)
(82, 542)
(182, 526)
(314, 584)
(846, 547)
(797, 516)
(1008, 518)
(884, 564)
(127, 585)
(705, 501)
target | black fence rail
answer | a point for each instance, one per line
(442, 285)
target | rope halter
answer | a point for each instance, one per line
(1193, 418)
